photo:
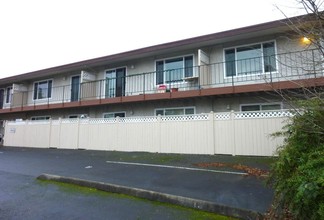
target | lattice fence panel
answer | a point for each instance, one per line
(200, 117)
(17, 122)
(138, 119)
(40, 122)
(263, 114)
(55, 122)
(222, 116)
(69, 121)
(147, 119)
(102, 120)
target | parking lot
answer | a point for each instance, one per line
(21, 195)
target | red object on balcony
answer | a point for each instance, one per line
(162, 88)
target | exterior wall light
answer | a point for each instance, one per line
(306, 40)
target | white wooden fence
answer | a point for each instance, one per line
(235, 133)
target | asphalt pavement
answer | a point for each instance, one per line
(229, 189)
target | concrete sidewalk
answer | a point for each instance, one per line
(221, 189)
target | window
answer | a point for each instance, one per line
(261, 107)
(79, 116)
(43, 89)
(173, 70)
(39, 118)
(249, 60)
(114, 114)
(9, 94)
(175, 111)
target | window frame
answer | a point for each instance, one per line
(183, 68)
(75, 116)
(260, 106)
(38, 118)
(49, 91)
(121, 112)
(235, 48)
(184, 110)
(9, 93)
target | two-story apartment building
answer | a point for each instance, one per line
(230, 70)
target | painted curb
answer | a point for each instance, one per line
(157, 196)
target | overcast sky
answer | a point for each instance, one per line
(38, 34)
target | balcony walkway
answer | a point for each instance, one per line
(296, 84)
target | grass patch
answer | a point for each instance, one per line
(87, 191)
(254, 161)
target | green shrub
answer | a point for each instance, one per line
(298, 175)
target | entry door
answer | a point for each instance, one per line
(1, 98)
(75, 88)
(115, 82)
(120, 82)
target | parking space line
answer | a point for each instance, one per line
(176, 167)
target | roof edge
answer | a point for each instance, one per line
(114, 57)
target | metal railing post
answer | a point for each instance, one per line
(47, 91)
(233, 73)
(63, 94)
(123, 85)
(22, 100)
(144, 83)
(80, 92)
(199, 77)
(313, 64)
(100, 89)
(169, 80)
(270, 69)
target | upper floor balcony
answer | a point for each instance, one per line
(260, 73)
